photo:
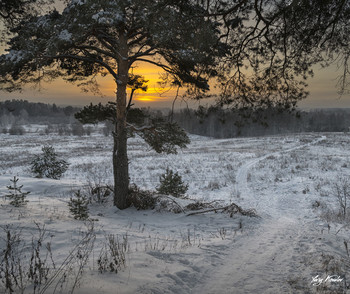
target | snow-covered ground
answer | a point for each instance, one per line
(288, 180)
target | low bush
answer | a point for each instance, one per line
(112, 255)
(98, 193)
(141, 199)
(16, 130)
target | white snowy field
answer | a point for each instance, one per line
(297, 245)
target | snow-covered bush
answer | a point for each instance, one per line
(47, 164)
(78, 206)
(171, 184)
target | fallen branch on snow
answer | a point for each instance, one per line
(231, 209)
(171, 200)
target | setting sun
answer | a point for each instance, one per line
(155, 92)
(145, 99)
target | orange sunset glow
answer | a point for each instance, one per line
(323, 91)
(64, 93)
(154, 94)
(322, 87)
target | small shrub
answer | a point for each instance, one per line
(341, 190)
(78, 206)
(16, 130)
(24, 266)
(108, 128)
(49, 129)
(171, 184)
(18, 198)
(112, 255)
(213, 186)
(10, 261)
(98, 193)
(47, 164)
(141, 199)
(30, 268)
(88, 131)
(77, 129)
(64, 130)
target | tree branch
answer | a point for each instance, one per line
(163, 66)
(98, 50)
(82, 58)
(139, 53)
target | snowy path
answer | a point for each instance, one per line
(242, 174)
(267, 259)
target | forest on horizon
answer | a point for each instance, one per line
(213, 122)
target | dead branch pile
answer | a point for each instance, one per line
(150, 200)
(230, 209)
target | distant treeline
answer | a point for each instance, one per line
(220, 123)
(210, 121)
(22, 111)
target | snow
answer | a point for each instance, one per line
(282, 251)
(65, 36)
(43, 21)
(106, 17)
(186, 54)
(78, 2)
(15, 56)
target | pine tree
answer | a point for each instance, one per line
(108, 37)
(171, 184)
(78, 206)
(47, 164)
(18, 198)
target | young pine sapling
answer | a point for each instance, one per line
(17, 197)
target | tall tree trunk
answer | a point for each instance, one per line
(120, 157)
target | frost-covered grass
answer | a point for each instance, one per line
(287, 179)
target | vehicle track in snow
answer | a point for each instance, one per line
(266, 259)
(242, 187)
